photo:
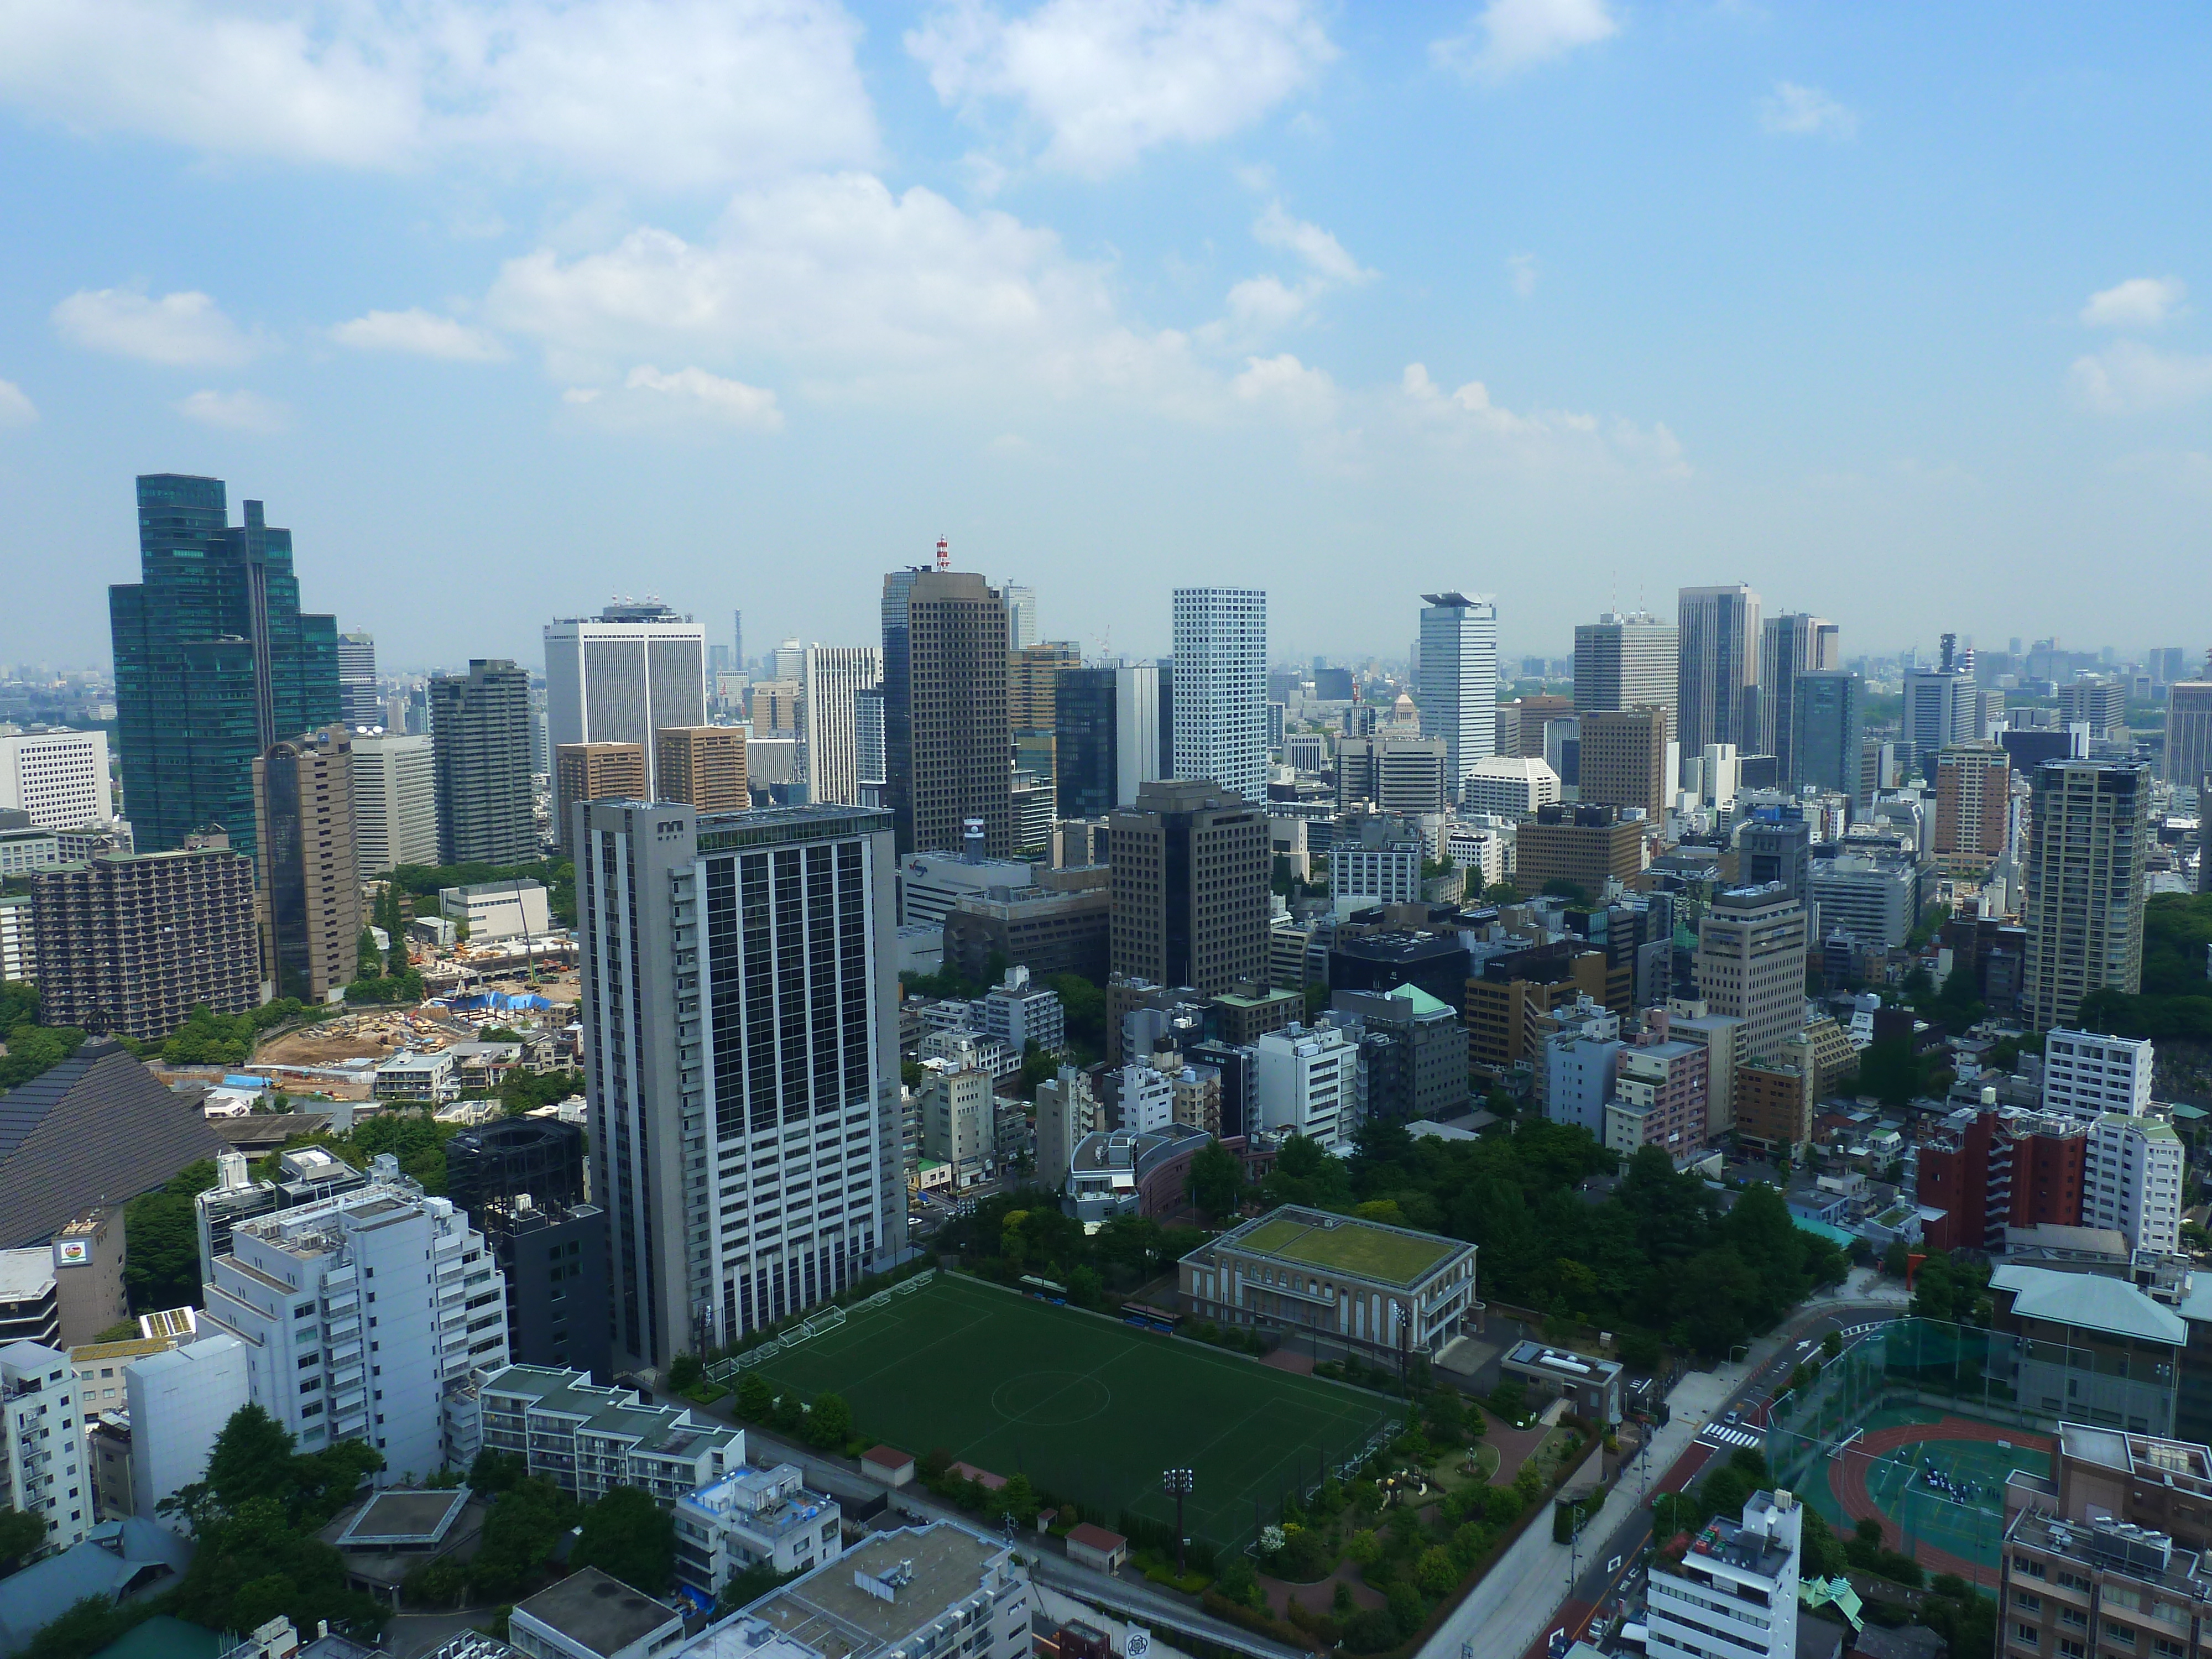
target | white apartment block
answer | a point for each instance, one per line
(831, 679)
(753, 1515)
(1146, 1102)
(42, 1468)
(395, 802)
(18, 938)
(1306, 1081)
(2086, 1076)
(1387, 874)
(1220, 688)
(1511, 787)
(1735, 1591)
(1019, 1013)
(587, 1439)
(179, 1402)
(939, 1591)
(2132, 1185)
(59, 778)
(364, 1314)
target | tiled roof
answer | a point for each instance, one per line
(99, 1128)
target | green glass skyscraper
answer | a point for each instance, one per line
(214, 661)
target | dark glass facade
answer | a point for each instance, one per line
(898, 706)
(214, 661)
(1085, 761)
(1827, 720)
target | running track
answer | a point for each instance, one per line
(1847, 1480)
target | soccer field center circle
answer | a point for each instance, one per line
(1051, 1400)
(1870, 1481)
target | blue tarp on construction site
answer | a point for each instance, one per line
(499, 1001)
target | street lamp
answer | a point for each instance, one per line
(1178, 1484)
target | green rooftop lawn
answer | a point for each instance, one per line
(1350, 1247)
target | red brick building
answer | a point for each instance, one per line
(1997, 1170)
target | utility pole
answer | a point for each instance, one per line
(1178, 1484)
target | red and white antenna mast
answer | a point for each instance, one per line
(944, 553)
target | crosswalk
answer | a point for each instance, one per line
(1728, 1434)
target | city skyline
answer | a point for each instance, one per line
(1428, 286)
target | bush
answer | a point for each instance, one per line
(1407, 1611)
(684, 1371)
(1372, 1631)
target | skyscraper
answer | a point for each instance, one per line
(1190, 867)
(592, 771)
(703, 767)
(214, 661)
(1021, 616)
(832, 676)
(1939, 710)
(1220, 717)
(1629, 661)
(1624, 759)
(1973, 807)
(310, 878)
(620, 676)
(776, 924)
(395, 802)
(948, 743)
(1106, 737)
(737, 641)
(1827, 723)
(1033, 674)
(2088, 834)
(2189, 734)
(898, 716)
(480, 752)
(1751, 965)
(1459, 680)
(1718, 675)
(1789, 646)
(360, 706)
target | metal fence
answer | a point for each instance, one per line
(828, 1319)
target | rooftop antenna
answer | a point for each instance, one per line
(944, 553)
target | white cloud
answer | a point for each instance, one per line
(236, 411)
(675, 94)
(1521, 270)
(1323, 255)
(1283, 382)
(421, 334)
(1510, 35)
(1260, 303)
(2139, 302)
(1110, 79)
(1806, 112)
(696, 391)
(2129, 378)
(17, 408)
(178, 329)
(1542, 440)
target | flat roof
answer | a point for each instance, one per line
(1346, 1244)
(392, 1518)
(598, 1613)
(943, 1564)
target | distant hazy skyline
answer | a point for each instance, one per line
(504, 308)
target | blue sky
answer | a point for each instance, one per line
(1894, 311)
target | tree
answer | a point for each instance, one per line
(746, 1587)
(1307, 1174)
(685, 1372)
(756, 1399)
(830, 1425)
(1084, 1288)
(257, 1563)
(160, 1241)
(251, 1458)
(628, 1536)
(525, 1524)
(1215, 1182)
(1831, 1344)
(19, 1534)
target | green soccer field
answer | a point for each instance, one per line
(1089, 1409)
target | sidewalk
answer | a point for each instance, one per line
(1513, 1607)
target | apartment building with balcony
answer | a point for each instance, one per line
(1734, 1590)
(587, 1439)
(754, 1515)
(42, 1471)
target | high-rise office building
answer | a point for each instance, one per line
(1790, 646)
(1624, 759)
(57, 779)
(129, 946)
(1717, 680)
(1190, 885)
(778, 926)
(1751, 965)
(1220, 689)
(214, 661)
(2189, 734)
(1105, 737)
(395, 802)
(1628, 661)
(1828, 727)
(832, 676)
(737, 641)
(361, 705)
(1775, 846)
(703, 767)
(594, 771)
(1973, 804)
(1941, 708)
(870, 761)
(522, 1180)
(1033, 673)
(1396, 774)
(1459, 680)
(2088, 834)
(480, 753)
(2099, 702)
(947, 740)
(1021, 618)
(620, 676)
(310, 878)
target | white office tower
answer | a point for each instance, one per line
(1735, 1591)
(620, 676)
(1021, 616)
(741, 1063)
(363, 1315)
(58, 778)
(42, 1472)
(1628, 661)
(1220, 720)
(1305, 1080)
(395, 802)
(1720, 776)
(832, 679)
(179, 1402)
(1459, 680)
(2085, 1076)
(359, 707)
(871, 760)
(2132, 1185)
(1508, 787)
